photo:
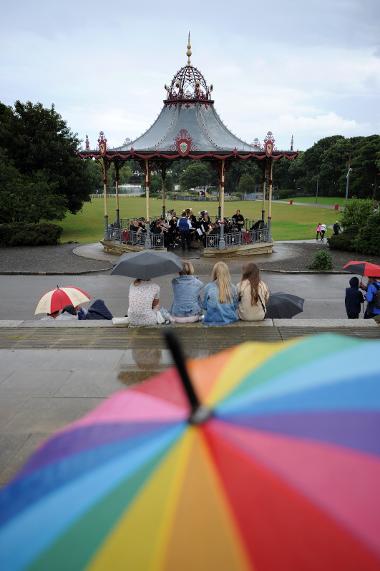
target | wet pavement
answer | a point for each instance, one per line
(19, 295)
(52, 376)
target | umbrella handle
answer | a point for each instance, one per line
(199, 412)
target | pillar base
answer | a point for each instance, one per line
(106, 231)
(148, 243)
(222, 242)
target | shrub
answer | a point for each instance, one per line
(368, 239)
(322, 261)
(17, 234)
(345, 240)
(356, 213)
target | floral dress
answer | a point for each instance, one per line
(141, 298)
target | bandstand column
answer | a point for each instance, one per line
(147, 212)
(264, 191)
(117, 179)
(163, 175)
(105, 166)
(222, 243)
(270, 183)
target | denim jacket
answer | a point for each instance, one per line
(186, 290)
(219, 313)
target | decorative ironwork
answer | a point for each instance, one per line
(102, 142)
(269, 144)
(188, 85)
(183, 142)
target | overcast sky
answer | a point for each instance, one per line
(308, 67)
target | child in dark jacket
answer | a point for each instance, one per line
(354, 299)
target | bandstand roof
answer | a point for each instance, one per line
(188, 126)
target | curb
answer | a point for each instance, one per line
(322, 272)
(80, 272)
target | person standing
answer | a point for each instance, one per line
(184, 227)
(318, 231)
(322, 231)
(238, 220)
(253, 294)
(354, 299)
(372, 296)
(221, 297)
(336, 228)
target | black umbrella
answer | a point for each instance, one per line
(147, 264)
(284, 305)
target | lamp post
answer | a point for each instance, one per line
(317, 189)
(348, 181)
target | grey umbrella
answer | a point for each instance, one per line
(147, 264)
(284, 305)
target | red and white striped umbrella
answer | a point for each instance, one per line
(58, 298)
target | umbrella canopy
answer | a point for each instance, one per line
(362, 268)
(284, 305)
(284, 474)
(58, 298)
(147, 264)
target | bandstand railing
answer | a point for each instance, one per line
(238, 238)
(139, 238)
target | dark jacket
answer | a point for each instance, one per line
(98, 310)
(354, 299)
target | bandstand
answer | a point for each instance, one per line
(188, 127)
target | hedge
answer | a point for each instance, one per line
(345, 240)
(17, 234)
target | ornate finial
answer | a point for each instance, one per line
(291, 143)
(269, 144)
(87, 143)
(189, 52)
(102, 142)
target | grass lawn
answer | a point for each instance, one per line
(288, 222)
(321, 199)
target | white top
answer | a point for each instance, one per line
(247, 311)
(141, 298)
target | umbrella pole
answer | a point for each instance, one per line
(199, 412)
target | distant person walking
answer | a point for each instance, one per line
(354, 299)
(336, 228)
(322, 231)
(318, 231)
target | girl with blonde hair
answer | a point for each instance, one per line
(253, 294)
(186, 306)
(221, 297)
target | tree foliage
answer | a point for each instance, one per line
(327, 162)
(196, 174)
(40, 174)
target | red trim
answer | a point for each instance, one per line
(244, 155)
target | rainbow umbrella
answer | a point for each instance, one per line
(277, 469)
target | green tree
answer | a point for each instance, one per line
(197, 174)
(356, 213)
(38, 143)
(368, 239)
(246, 184)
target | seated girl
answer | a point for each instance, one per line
(144, 302)
(221, 298)
(253, 294)
(186, 306)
